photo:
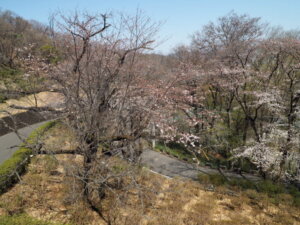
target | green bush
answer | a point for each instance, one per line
(20, 159)
(22, 219)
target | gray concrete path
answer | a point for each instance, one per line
(173, 167)
(9, 142)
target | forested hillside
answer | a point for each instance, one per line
(238, 98)
(22, 42)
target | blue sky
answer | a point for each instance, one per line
(181, 17)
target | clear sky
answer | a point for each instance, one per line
(181, 17)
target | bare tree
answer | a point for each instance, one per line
(108, 101)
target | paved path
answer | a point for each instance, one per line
(173, 167)
(9, 142)
(157, 162)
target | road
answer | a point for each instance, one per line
(9, 142)
(155, 161)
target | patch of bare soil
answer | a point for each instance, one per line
(42, 99)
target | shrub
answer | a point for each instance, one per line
(18, 162)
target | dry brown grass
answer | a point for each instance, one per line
(59, 137)
(44, 193)
(47, 192)
(183, 202)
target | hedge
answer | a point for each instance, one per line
(17, 164)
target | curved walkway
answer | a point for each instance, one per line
(172, 167)
(9, 142)
(155, 161)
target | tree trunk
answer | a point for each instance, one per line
(253, 125)
(245, 130)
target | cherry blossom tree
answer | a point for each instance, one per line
(243, 92)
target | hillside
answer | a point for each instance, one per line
(47, 192)
(208, 134)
